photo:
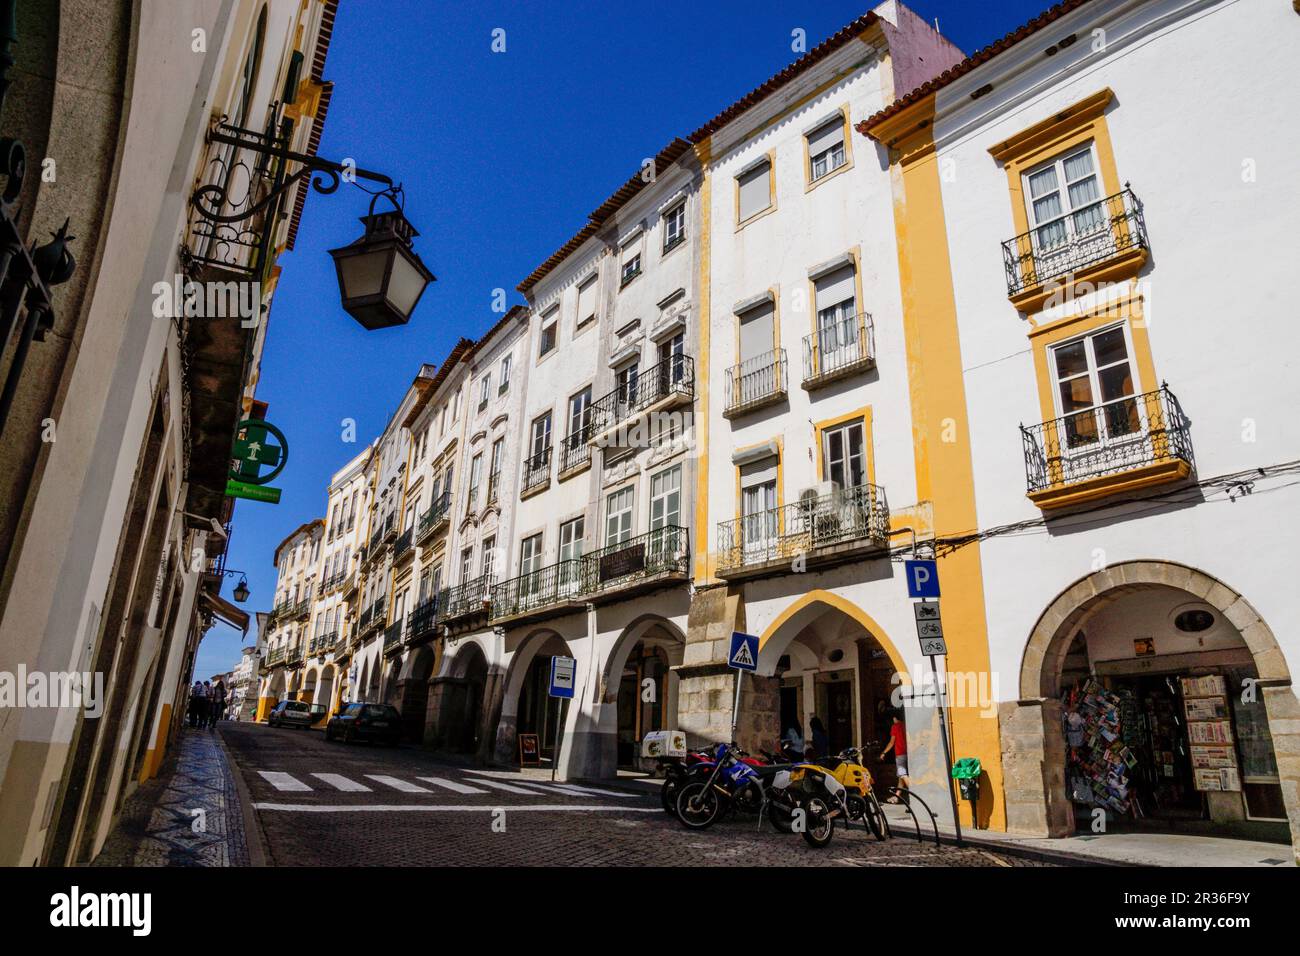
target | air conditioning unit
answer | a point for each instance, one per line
(827, 491)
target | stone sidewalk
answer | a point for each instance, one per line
(188, 815)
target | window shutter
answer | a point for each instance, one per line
(755, 192)
(823, 138)
(587, 301)
(758, 473)
(834, 288)
(757, 331)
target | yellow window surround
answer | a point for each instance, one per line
(1127, 310)
(1078, 124)
(868, 440)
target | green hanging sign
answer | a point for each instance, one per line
(252, 451)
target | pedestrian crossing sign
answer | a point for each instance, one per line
(744, 652)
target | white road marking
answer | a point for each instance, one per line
(436, 808)
(451, 785)
(574, 788)
(283, 781)
(340, 782)
(508, 787)
(396, 784)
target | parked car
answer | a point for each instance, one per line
(363, 721)
(295, 713)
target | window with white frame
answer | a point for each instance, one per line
(488, 562)
(530, 554)
(466, 565)
(630, 260)
(626, 379)
(571, 535)
(549, 336)
(672, 361)
(1064, 199)
(475, 474)
(826, 149)
(837, 323)
(485, 391)
(753, 191)
(618, 516)
(541, 434)
(579, 418)
(844, 454)
(505, 374)
(494, 469)
(1094, 387)
(674, 226)
(666, 498)
(758, 503)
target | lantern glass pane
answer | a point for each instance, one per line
(363, 273)
(405, 284)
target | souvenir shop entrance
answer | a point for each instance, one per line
(1164, 726)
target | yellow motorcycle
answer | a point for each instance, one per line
(859, 798)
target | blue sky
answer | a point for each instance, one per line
(502, 156)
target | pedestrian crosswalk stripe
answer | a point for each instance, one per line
(283, 781)
(507, 787)
(340, 782)
(446, 808)
(396, 784)
(575, 789)
(451, 785)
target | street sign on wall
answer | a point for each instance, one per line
(929, 628)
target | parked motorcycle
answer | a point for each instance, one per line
(860, 799)
(786, 793)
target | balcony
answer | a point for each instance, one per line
(372, 617)
(639, 564)
(575, 454)
(659, 388)
(393, 636)
(435, 519)
(280, 612)
(465, 600)
(275, 657)
(333, 582)
(402, 549)
(845, 347)
(389, 531)
(543, 590)
(1122, 446)
(424, 621)
(537, 473)
(322, 643)
(820, 529)
(293, 654)
(755, 383)
(1099, 243)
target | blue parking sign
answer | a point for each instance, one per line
(744, 652)
(922, 579)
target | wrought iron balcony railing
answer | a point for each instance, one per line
(1111, 439)
(372, 546)
(235, 209)
(1084, 238)
(574, 451)
(403, 544)
(839, 349)
(424, 620)
(390, 526)
(275, 656)
(322, 643)
(816, 522)
(280, 611)
(435, 517)
(669, 380)
(393, 634)
(373, 616)
(537, 470)
(544, 587)
(464, 599)
(756, 382)
(664, 551)
(293, 653)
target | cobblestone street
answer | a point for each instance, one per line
(337, 804)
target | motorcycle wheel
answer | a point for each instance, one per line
(779, 820)
(821, 825)
(698, 806)
(882, 821)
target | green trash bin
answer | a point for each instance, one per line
(966, 772)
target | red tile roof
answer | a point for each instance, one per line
(976, 59)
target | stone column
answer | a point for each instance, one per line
(1033, 768)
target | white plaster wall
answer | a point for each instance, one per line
(1199, 91)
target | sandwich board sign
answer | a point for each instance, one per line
(562, 671)
(744, 652)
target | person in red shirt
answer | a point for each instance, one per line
(898, 744)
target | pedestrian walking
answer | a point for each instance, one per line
(821, 743)
(196, 697)
(898, 744)
(216, 704)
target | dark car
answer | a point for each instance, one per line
(295, 713)
(362, 721)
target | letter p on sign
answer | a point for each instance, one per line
(922, 579)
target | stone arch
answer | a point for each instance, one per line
(607, 690)
(517, 669)
(414, 684)
(608, 698)
(1051, 635)
(778, 635)
(1033, 743)
(310, 681)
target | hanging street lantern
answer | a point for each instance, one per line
(241, 590)
(381, 278)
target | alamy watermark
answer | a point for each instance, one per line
(185, 298)
(83, 690)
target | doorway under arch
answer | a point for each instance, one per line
(457, 701)
(414, 692)
(526, 705)
(638, 691)
(1202, 700)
